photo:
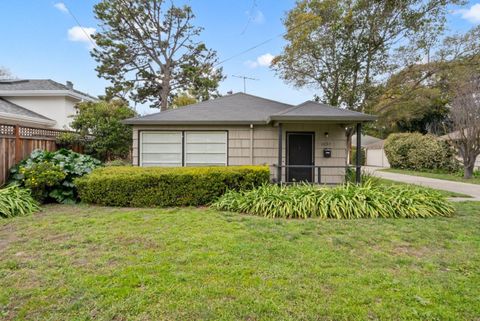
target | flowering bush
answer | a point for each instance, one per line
(42, 177)
(419, 152)
(50, 175)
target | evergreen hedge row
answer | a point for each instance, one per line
(162, 187)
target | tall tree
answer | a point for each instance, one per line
(465, 116)
(344, 47)
(417, 97)
(5, 73)
(149, 49)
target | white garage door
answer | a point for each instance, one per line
(161, 148)
(376, 157)
(205, 148)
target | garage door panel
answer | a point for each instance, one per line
(205, 148)
(161, 149)
(162, 137)
(206, 137)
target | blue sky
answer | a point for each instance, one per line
(39, 39)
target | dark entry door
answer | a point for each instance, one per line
(300, 152)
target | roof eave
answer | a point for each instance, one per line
(192, 122)
(45, 93)
(366, 118)
(16, 117)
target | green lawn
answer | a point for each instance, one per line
(448, 177)
(388, 182)
(93, 263)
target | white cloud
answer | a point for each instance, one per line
(261, 61)
(472, 14)
(61, 6)
(258, 17)
(255, 16)
(80, 34)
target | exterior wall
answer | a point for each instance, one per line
(376, 157)
(56, 108)
(264, 149)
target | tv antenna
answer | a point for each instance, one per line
(245, 78)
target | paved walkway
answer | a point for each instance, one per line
(463, 188)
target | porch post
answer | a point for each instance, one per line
(358, 160)
(280, 146)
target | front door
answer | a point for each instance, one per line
(300, 152)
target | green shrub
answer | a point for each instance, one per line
(157, 186)
(50, 175)
(68, 140)
(342, 202)
(419, 152)
(16, 201)
(353, 156)
(118, 162)
(40, 178)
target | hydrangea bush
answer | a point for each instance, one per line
(50, 175)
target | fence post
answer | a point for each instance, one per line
(18, 144)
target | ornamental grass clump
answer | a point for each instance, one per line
(347, 201)
(16, 201)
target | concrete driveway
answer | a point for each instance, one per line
(472, 190)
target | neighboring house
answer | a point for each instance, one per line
(375, 154)
(39, 103)
(366, 140)
(242, 129)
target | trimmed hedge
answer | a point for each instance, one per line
(161, 187)
(419, 152)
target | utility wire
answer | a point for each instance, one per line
(80, 25)
(263, 42)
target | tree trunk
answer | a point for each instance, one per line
(164, 98)
(468, 166)
(468, 171)
(165, 93)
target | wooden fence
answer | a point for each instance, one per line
(17, 142)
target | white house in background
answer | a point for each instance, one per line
(39, 102)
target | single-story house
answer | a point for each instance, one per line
(40, 103)
(306, 142)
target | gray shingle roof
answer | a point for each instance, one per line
(14, 109)
(242, 108)
(36, 84)
(238, 108)
(311, 110)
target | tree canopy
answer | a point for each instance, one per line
(417, 98)
(344, 48)
(149, 50)
(102, 120)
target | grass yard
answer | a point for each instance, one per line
(445, 176)
(387, 182)
(94, 263)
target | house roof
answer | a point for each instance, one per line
(41, 87)
(376, 145)
(14, 111)
(311, 110)
(366, 140)
(241, 108)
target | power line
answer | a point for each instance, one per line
(80, 25)
(263, 42)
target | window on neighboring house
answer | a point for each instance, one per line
(206, 148)
(197, 148)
